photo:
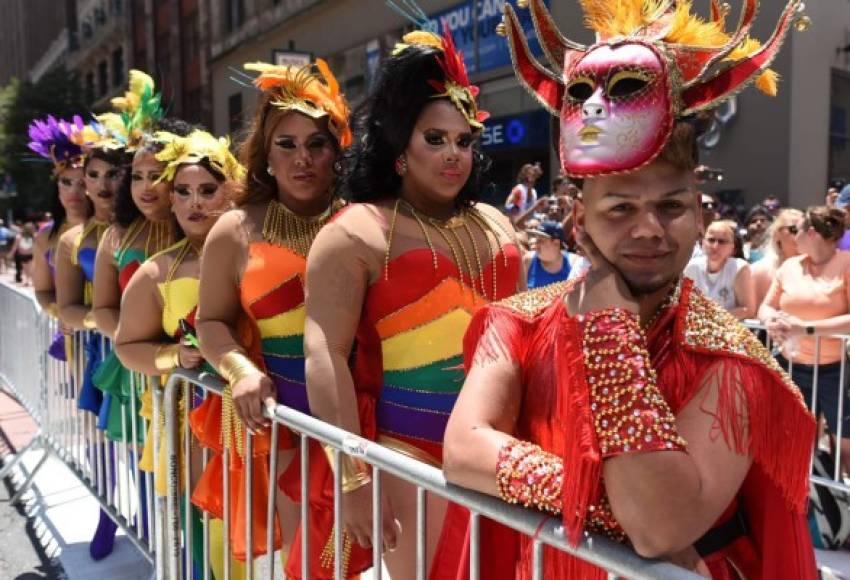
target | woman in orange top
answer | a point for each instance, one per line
(811, 295)
(782, 245)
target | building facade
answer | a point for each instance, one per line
(99, 48)
(171, 43)
(30, 30)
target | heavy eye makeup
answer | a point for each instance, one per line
(205, 190)
(318, 141)
(437, 138)
(139, 176)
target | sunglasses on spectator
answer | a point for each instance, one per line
(793, 230)
(708, 206)
(718, 241)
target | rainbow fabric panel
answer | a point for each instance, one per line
(182, 300)
(86, 260)
(128, 262)
(421, 315)
(273, 295)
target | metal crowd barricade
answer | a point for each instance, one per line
(616, 558)
(836, 482)
(48, 389)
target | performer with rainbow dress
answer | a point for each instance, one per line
(104, 173)
(627, 403)
(53, 140)
(394, 280)
(161, 299)
(251, 308)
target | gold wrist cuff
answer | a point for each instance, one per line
(355, 471)
(52, 310)
(167, 358)
(89, 322)
(235, 366)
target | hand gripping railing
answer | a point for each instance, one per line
(615, 558)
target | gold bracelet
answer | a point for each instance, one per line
(52, 309)
(355, 471)
(235, 366)
(88, 321)
(167, 358)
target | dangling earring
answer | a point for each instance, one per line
(401, 165)
(270, 171)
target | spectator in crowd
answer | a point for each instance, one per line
(524, 196)
(7, 237)
(721, 272)
(809, 296)
(549, 262)
(758, 220)
(21, 252)
(832, 196)
(772, 204)
(782, 244)
(842, 202)
(709, 214)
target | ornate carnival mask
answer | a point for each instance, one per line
(654, 62)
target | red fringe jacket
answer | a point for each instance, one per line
(690, 338)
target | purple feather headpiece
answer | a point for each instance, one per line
(53, 139)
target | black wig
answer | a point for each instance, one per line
(126, 211)
(384, 122)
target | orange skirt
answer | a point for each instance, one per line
(208, 495)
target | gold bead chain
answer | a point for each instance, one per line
(285, 228)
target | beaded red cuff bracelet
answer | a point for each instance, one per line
(529, 476)
(629, 412)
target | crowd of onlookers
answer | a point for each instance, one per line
(17, 244)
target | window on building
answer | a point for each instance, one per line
(163, 56)
(90, 86)
(234, 112)
(192, 106)
(102, 78)
(839, 126)
(118, 67)
(234, 14)
(190, 32)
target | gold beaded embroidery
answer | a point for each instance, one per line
(629, 412)
(710, 327)
(326, 559)
(531, 303)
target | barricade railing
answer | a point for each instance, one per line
(826, 438)
(545, 530)
(49, 390)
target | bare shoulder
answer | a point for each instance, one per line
(367, 223)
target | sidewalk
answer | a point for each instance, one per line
(49, 536)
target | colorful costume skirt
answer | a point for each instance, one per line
(115, 380)
(91, 398)
(58, 347)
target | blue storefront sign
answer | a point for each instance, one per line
(492, 48)
(524, 131)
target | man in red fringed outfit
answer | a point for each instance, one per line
(627, 403)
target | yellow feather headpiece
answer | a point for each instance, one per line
(194, 148)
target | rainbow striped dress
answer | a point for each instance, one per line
(410, 345)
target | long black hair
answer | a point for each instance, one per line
(384, 122)
(126, 211)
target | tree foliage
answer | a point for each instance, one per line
(57, 93)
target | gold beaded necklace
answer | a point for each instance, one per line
(99, 228)
(283, 227)
(450, 231)
(159, 236)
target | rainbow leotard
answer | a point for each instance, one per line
(413, 324)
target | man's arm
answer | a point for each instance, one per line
(483, 417)
(665, 501)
